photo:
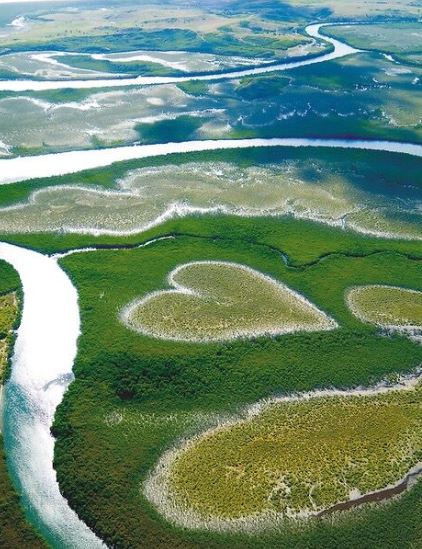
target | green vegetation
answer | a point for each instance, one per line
(134, 396)
(122, 41)
(397, 37)
(221, 301)
(360, 96)
(332, 187)
(294, 457)
(9, 318)
(284, 234)
(154, 28)
(261, 87)
(195, 88)
(228, 43)
(133, 68)
(410, 59)
(253, 25)
(65, 95)
(180, 128)
(315, 9)
(8, 315)
(387, 306)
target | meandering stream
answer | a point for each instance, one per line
(339, 50)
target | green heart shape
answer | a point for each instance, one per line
(213, 301)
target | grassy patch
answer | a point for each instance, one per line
(295, 457)
(386, 306)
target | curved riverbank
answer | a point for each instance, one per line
(340, 49)
(42, 364)
(24, 168)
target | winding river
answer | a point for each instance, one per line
(44, 352)
(339, 50)
(47, 337)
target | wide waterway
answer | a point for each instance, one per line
(42, 364)
(24, 168)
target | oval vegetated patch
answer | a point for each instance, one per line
(392, 308)
(291, 457)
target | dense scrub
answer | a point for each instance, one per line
(134, 396)
(8, 316)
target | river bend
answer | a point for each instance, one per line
(42, 362)
(339, 50)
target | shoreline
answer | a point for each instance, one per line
(382, 495)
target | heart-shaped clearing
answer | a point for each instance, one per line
(214, 301)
